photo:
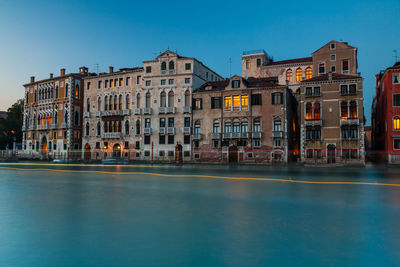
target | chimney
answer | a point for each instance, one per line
(51, 75)
(62, 72)
(330, 76)
(111, 69)
(32, 79)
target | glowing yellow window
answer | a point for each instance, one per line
(396, 123)
(248, 64)
(245, 102)
(299, 74)
(308, 73)
(236, 102)
(228, 102)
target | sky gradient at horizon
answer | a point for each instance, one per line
(38, 38)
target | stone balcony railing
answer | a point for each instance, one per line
(187, 110)
(313, 122)
(111, 135)
(186, 130)
(171, 110)
(162, 130)
(86, 114)
(215, 135)
(162, 110)
(138, 111)
(148, 111)
(349, 121)
(171, 130)
(147, 131)
(256, 135)
(196, 136)
(277, 134)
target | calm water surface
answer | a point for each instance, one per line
(119, 218)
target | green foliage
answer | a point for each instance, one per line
(11, 126)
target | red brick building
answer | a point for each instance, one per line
(386, 115)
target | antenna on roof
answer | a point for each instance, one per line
(230, 67)
(395, 54)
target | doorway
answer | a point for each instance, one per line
(233, 154)
(331, 153)
(86, 156)
(116, 151)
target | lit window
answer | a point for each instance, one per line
(245, 102)
(289, 75)
(236, 102)
(344, 112)
(396, 123)
(228, 102)
(248, 64)
(309, 111)
(299, 74)
(308, 73)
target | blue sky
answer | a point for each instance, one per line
(39, 37)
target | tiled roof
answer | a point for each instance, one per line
(395, 66)
(335, 77)
(291, 61)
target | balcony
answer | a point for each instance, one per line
(215, 135)
(171, 130)
(98, 113)
(349, 121)
(42, 127)
(64, 125)
(277, 134)
(148, 111)
(138, 111)
(126, 112)
(86, 114)
(226, 135)
(235, 135)
(244, 135)
(186, 130)
(313, 122)
(162, 110)
(162, 130)
(53, 126)
(256, 135)
(147, 131)
(171, 110)
(111, 135)
(196, 136)
(187, 109)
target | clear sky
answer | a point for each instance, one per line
(40, 37)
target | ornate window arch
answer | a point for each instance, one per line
(171, 65)
(299, 75)
(289, 75)
(163, 65)
(163, 99)
(171, 99)
(308, 73)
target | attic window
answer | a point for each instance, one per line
(235, 84)
(333, 46)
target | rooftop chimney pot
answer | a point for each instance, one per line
(62, 72)
(51, 75)
(111, 69)
(32, 79)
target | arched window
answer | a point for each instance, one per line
(308, 73)
(110, 126)
(56, 92)
(56, 118)
(170, 99)
(171, 65)
(66, 90)
(77, 92)
(119, 127)
(163, 65)
(308, 111)
(353, 110)
(137, 127)
(148, 96)
(99, 103)
(289, 75)
(106, 103)
(66, 116)
(317, 111)
(105, 126)
(76, 118)
(127, 102)
(163, 97)
(87, 129)
(187, 98)
(98, 128)
(88, 105)
(138, 100)
(51, 93)
(299, 74)
(344, 111)
(127, 127)
(396, 123)
(115, 102)
(120, 102)
(110, 105)
(197, 128)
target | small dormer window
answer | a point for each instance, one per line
(235, 84)
(333, 46)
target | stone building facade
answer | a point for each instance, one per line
(244, 120)
(52, 123)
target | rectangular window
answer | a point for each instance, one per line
(216, 127)
(147, 139)
(257, 126)
(309, 133)
(161, 139)
(138, 78)
(88, 85)
(395, 78)
(343, 89)
(236, 102)
(215, 143)
(126, 145)
(197, 103)
(396, 100)
(277, 98)
(396, 143)
(162, 122)
(170, 81)
(321, 68)
(352, 89)
(333, 68)
(215, 102)
(148, 83)
(171, 122)
(396, 124)
(188, 66)
(148, 69)
(186, 139)
(137, 145)
(256, 99)
(187, 80)
(171, 139)
(317, 91)
(228, 102)
(345, 66)
(147, 153)
(277, 142)
(277, 126)
(308, 91)
(121, 80)
(333, 57)
(147, 123)
(257, 143)
(106, 84)
(186, 122)
(162, 82)
(235, 84)
(258, 62)
(127, 81)
(245, 102)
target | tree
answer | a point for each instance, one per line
(11, 126)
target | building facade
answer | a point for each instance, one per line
(386, 115)
(244, 120)
(52, 124)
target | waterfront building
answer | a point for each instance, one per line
(52, 122)
(244, 120)
(144, 113)
(386, 115)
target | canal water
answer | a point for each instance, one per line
(198, 215)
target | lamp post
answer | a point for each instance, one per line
(14, 140)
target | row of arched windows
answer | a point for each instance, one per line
(299, 74)
(111, 103)
(163, 99)
(171, 65)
